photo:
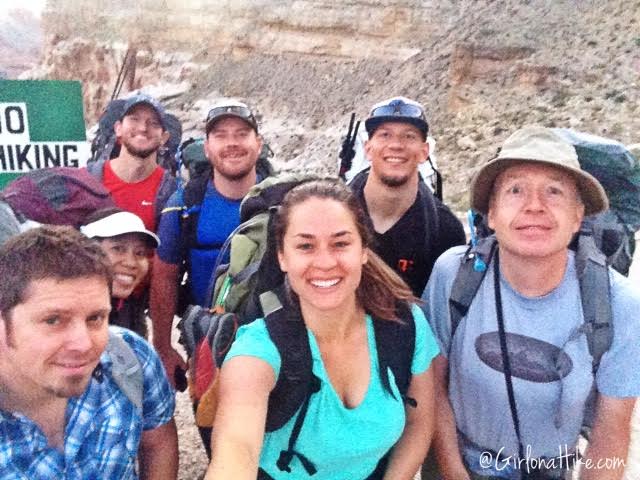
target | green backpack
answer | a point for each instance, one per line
(233, 282)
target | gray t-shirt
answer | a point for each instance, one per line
(550, 360)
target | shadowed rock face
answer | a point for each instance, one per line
(481, 68)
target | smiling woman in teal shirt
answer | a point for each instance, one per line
(352, 422)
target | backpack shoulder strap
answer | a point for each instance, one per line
(358, 182)
(395, 342)
(431, 218)
(289, 334)
(473, 267)
(296, 382)
(168, 185)
(193, 196)
(595, 293)
(126, 369)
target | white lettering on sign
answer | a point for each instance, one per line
(19, 154)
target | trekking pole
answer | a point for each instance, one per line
(347, 151)
(120, 79)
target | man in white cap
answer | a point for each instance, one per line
(411, 226)
(516, 371)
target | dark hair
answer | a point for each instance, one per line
(381, 291)
(59, 252)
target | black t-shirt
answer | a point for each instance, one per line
(404, 246)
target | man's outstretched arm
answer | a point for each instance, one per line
(162, 308)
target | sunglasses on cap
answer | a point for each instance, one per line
(240, 111)
(398, 108)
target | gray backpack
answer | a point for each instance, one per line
(126, 369)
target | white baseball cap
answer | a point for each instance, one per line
(116, 224)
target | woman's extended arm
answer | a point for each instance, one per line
(445, 439)
(238, 430)
(409, 452)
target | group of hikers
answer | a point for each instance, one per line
(374, 341)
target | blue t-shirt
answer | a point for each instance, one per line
(219, 216)
(342, 442)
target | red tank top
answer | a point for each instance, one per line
(137, 197)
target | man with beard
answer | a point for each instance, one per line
(412, 227)
(233, 146)
(66, 410)
(136, 182)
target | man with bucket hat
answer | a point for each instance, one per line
(517, 367)
(411, 226)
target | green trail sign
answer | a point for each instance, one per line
(41, 125)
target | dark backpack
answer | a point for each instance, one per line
(167, 153)
(193, 195)
(604, 240)
(207, 338)
(619, 173)
(58, 195)
(105, 145)
(190, 155)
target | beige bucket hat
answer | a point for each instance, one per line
(540, 145)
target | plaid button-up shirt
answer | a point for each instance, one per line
(103, 427)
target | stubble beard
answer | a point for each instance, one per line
(231, 175)
(394, 181)
(72, 387)
(139, 152)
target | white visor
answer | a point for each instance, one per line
(119, 223)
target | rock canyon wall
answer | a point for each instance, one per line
(482, 68)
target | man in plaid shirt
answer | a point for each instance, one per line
(62, 414)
